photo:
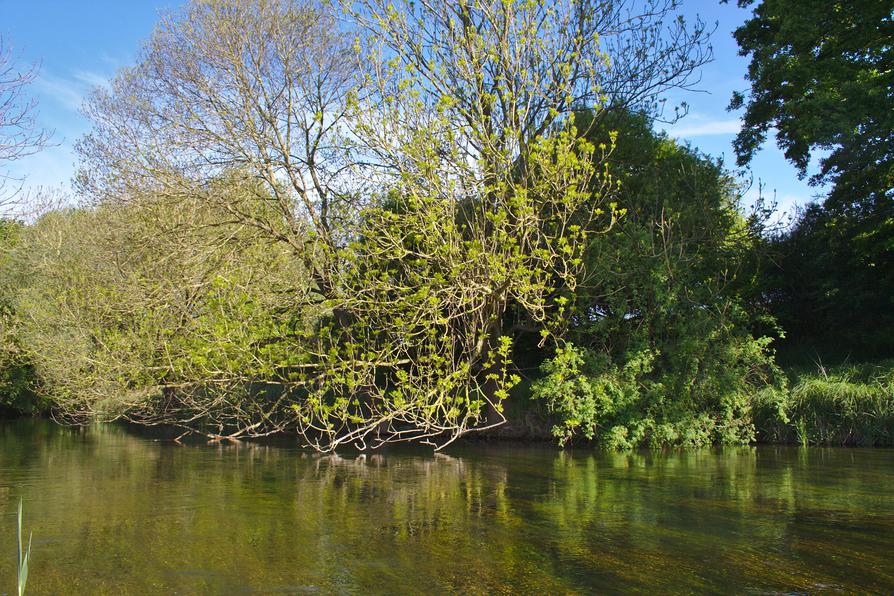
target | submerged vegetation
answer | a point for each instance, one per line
(385, 222)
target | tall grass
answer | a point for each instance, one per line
(843, 405)
(24, 555)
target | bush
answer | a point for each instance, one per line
(17, 376)
(644, 403)
(663, 351)
(583, 394)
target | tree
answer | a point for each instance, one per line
(419, 162)
(17, 379)
(660, 347)
(157, 314)
(822, 75)
(829, 281)
(20, 135)
(223, 85)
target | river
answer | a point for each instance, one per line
(115, 512)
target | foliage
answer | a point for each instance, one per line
(664, 354)
(829, 280)
(24, 554)
(426, 285)
(123, 313)
(843, 405)
(822, 75)
(417, 163)
(17, 379)
(355, 226)
(585, 395)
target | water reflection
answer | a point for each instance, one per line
(113, 512)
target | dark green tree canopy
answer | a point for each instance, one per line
(661, 350)
(822, 75)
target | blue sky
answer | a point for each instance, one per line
(711, 128)
(80, 44)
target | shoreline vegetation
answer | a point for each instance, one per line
(848, 405)
(374, 222)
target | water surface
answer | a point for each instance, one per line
(113, 513)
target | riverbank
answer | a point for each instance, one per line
(843, 404)
(847, 404)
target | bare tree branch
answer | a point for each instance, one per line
(20, 135)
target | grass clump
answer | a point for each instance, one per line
(843, 405)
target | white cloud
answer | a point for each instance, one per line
(91, 78)
(67, 93)
(713, 127)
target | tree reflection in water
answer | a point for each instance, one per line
(114, 512)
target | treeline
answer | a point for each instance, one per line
(405, 223)
(823, 78)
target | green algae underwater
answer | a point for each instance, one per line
(114, 512)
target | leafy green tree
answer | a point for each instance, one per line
(822, 75)
(418, 161)
(662, 351)
(157, 312)
(287, 106)
(20, 136)
(829, 280)
(17, 377)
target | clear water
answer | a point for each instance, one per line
(113, 512)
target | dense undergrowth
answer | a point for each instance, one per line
(847, 404)
(840, 405)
